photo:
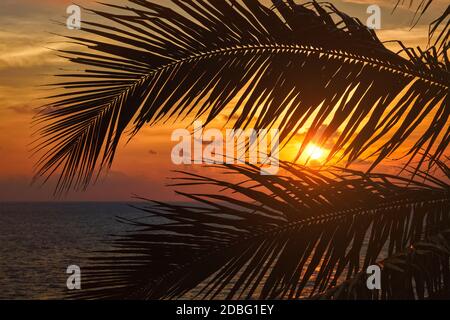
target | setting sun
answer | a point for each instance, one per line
(225, 152)
(314, 152)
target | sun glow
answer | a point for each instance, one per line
(314, 152)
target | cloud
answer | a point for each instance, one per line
(369, 2)
(226, 118)
(116, 186)
(23, 109)
(29, 54)
(328, 144)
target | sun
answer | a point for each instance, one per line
(314, 152)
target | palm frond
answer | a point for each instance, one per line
(421, 272)
(268, 237)
(441, 38)
(422, 6)
(293, 66)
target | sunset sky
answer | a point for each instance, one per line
(141, 166)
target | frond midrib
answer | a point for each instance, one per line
(296, 49)
(282, 49)
(322, 219)
(356, 277)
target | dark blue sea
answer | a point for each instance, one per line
(38, 241)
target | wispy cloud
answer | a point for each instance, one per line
(22, 109)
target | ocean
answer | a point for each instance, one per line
(38, 241)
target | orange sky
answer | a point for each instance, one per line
(142, 166)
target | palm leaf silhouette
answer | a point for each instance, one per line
(292, 66)
(272, 237)
(422, 6)
(442, 21)
(419, 272)
(441, 38)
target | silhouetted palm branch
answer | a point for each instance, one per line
(422, 7)
(269, 237)
(293, 66)
(443, 21)
(421, 272)
(441, 38)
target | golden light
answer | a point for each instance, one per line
(314, 152)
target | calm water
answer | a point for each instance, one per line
(39, 240)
